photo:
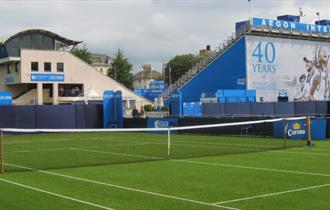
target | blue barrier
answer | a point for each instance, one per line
(235, 96)
(296, 129)
(192, 109)
(25, 116)
(50, 116)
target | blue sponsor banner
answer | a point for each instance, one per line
(9, 80)
(47, 77)
(6, 99)
(162, 122)
(287, 25)
(296, 129)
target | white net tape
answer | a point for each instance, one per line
(20, 130)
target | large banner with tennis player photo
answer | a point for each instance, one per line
(288, 67)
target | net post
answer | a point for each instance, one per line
(168, 143)
(285, 128)
(1, 152)
(308, 128)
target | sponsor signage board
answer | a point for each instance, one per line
(47, 77)
(298, 68)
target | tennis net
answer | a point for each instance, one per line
(44, 149)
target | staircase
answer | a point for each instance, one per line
(212, 55)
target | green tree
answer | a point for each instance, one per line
(83, 53)
(120, 70)
(179, 65)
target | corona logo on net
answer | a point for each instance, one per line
(296, 130)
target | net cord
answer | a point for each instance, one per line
(20, 130)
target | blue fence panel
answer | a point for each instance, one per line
(321, 107)
(50, 116)
(238, 109)
(80, 116)
(25, 116)
(7, 117)
(94, 116)
(284, 108)
(306, 107)
(266, 108)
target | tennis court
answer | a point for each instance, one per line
(136, 170)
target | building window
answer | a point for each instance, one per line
(60, 67)
(47, 67)
(8, 68)
(70, 90)
(17, 67)
(34, 66)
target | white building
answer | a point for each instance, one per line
(101, 62)
(38, 68)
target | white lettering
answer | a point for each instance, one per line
(278, 24)
(312, 27)
(161, 124)
(296, 132)
(293, 25)
(263, 22)
(286, 24)
(325, 29)
(271, 24)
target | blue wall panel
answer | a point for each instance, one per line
(94, 116)
(259, 108)
(284, 108)
(25, 116)
(222, 73)
(7, 117)
(306, 107)
(49, 116)
(238, 109)
(80, 116)
(321, 107)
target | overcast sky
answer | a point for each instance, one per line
(148, 31)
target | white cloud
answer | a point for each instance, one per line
(148, 31)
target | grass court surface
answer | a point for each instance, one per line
(132, 171)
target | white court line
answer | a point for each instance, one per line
(302, 153)
(55, 194)
(273, 194)
(123, 187)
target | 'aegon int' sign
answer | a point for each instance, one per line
(280, 24)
